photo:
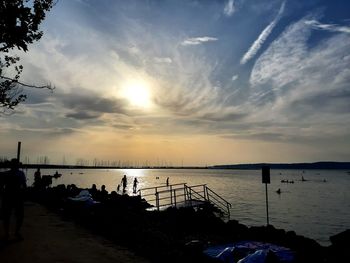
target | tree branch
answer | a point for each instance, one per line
(28, 85)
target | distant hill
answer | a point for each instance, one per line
(296, 166)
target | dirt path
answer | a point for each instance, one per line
(47, 238)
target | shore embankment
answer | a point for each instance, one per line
(174, 235)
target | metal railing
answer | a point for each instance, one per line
(218, 201)
(183, 195)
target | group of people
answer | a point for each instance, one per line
(99, 195)
(124, 184)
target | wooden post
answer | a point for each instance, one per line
(267, 206)
(175, 197)
(19, 152)
(171, 195)
(157, 200)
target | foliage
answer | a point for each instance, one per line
(19, 27)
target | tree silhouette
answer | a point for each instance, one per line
(19, 27)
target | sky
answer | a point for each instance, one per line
(187, 82)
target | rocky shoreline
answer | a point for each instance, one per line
(176, 235)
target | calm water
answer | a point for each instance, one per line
(313, 208)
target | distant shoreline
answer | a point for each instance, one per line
(255, 166)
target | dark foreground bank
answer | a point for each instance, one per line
(175, 235)
(48, 238)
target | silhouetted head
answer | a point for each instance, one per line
(93, 186)
(103, 187)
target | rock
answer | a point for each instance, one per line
(341, 240)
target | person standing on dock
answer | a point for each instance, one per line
(134, 187)
(13, 197)
(167, 181)
(124, 183)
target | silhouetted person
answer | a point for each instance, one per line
(167, 181)
(134, 187)
(14, 185)
(124, 183)
(37, 178)
(103, 193)
(93, 191)
(114, 196)
(118, 188)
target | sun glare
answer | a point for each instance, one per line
(138, 94)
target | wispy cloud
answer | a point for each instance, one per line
(328, 27)
(262, 37)
(308, 85)
(229, 8)
(197, 40)
(279, 62)
(166, 60)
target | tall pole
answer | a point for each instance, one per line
(19, 151)
(267, 206)
(266, 180)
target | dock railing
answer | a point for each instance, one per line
(177, 195)
(164, 196)
(218, 201)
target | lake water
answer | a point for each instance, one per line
(313, 208)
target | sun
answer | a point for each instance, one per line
(138, 94)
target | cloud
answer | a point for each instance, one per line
(229, 8)
(262, 37)
(282, 61)
(165, 60)
(83, 115)
(123, 126)
(188, 91)
(197, 40)
(61, 131)
(328, 27)
(224, 116)
(89, 105)
(293, 82)
(234, 77)
(89, 101)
